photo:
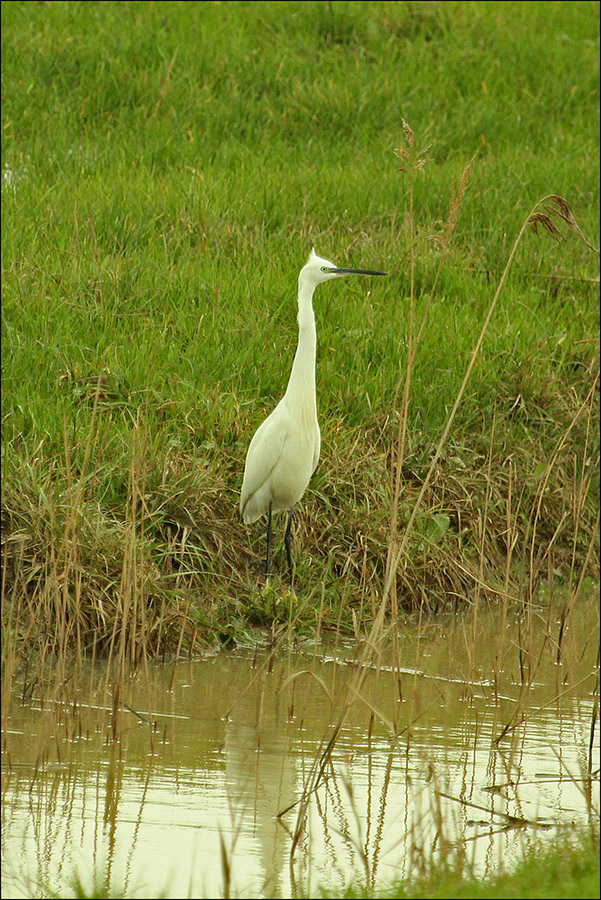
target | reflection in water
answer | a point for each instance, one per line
(260, 781)
(146, 801)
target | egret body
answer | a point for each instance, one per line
(284, 451)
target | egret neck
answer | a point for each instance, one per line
(300, 392)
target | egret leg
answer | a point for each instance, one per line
(269, 537)
(287, 539)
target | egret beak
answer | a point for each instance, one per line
(337, 271)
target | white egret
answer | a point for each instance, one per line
(284, 450)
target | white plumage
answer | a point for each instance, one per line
(284, 451)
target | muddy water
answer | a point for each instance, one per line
(178, 791)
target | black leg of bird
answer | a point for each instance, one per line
(269, 537)
(287, 540)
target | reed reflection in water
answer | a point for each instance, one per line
(182, 789)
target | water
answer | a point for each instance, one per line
(181, 795)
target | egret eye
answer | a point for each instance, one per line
(324, 268)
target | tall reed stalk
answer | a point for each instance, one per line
(546, 213)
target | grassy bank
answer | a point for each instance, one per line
(166, 169)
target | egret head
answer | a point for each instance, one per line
(318, 270)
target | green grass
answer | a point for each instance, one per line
(166, 169)
(561, 872)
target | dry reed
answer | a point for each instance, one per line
(546, 213)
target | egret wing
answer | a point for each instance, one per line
(263, 454)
